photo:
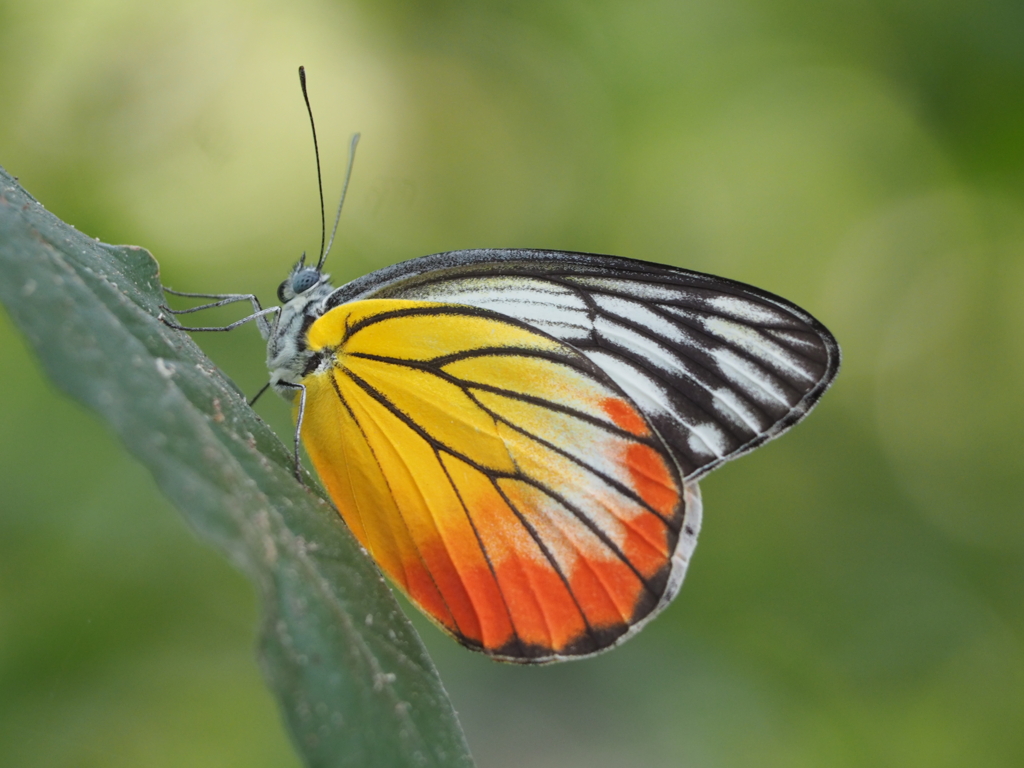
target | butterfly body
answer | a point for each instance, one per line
(287, 352)
(515, 436)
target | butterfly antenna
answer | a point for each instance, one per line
(319, 180)
(344, 190)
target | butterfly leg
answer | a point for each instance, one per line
(298, 425)
(220, 299)
(259, 314)
(259, 394)
(259, 317)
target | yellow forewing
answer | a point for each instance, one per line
(410, 338)
(443, 409)
(516, 495)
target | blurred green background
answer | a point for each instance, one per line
(857, 598)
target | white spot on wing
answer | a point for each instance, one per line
(737, 408)
(735, 369)
(489, 289)
(704, 439)
(744, 310)
(555, 309)
(571, 334)
(647, 393)
(751, 380)
(637, 313)
(642, 290)
(809, 342)
(752, 341)
(534, 312)
(654, 353)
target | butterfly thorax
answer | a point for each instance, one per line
(288, 354)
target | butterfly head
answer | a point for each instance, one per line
(301, 280)
(304, 297)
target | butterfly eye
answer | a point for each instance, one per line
(280, 292)
(305, 280)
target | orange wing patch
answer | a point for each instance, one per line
(514, 493)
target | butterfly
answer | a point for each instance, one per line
(516, 436)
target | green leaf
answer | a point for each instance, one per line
(353, 680)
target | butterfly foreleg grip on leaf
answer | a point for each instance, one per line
(259, 314)
(298, 425)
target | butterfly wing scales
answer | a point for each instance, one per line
(501, 479)
(718, 367)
